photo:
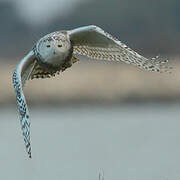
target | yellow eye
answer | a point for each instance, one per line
(59, 45)
(48, 46)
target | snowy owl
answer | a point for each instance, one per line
(57, 51)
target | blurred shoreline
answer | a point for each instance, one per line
(95, 83)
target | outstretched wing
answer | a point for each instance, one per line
(92, 42)
(25, 70)
(20, 75)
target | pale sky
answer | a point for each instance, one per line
(35, 11)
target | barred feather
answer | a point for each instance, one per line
(100, 45)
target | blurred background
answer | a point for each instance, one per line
(95, 116)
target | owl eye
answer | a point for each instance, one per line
(48, 46)
(59, 45)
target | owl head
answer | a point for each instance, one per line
(53, 49)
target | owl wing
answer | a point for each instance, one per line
(93, 43)
(21, 74)
(28, 68)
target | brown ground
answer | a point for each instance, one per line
(95, 82)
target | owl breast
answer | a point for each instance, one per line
(54, 50)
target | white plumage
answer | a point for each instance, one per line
(59, 50)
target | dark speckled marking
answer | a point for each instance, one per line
(23, 111)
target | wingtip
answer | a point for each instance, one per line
(30, 156)
(28, 150)
(161, 65)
